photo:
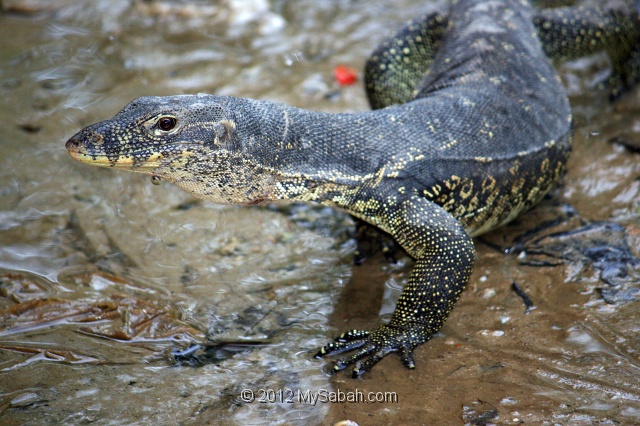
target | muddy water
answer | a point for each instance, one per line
(104, 276)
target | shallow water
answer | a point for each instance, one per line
(103, 276)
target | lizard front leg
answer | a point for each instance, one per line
(444, 255)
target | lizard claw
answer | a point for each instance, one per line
(373, 346)
(406, 356)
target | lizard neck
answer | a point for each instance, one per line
(305, 155)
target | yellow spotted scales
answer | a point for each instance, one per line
(470, 127)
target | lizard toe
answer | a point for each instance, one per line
(356, 358)
(372, 347)
(406, 356)
(353, 336)
(341, 345)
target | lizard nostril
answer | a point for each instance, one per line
(72, 144)
(75, 143)
(83, 139)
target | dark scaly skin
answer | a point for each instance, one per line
(486, 134)
(568, 33)
(394, 73)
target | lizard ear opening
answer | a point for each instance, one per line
(225, 135)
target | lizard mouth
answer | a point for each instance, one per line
(82, 149)
(133, 162)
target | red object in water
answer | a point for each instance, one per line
(344, 75)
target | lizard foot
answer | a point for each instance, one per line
(373, 346)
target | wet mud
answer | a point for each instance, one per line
(124, 302)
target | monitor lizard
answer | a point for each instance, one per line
(471, 126)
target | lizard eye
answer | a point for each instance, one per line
(167, 123)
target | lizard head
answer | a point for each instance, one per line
(151, 132)
(188, 140)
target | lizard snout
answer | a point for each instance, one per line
(80, 141)
(85, 145)
(75, 143)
